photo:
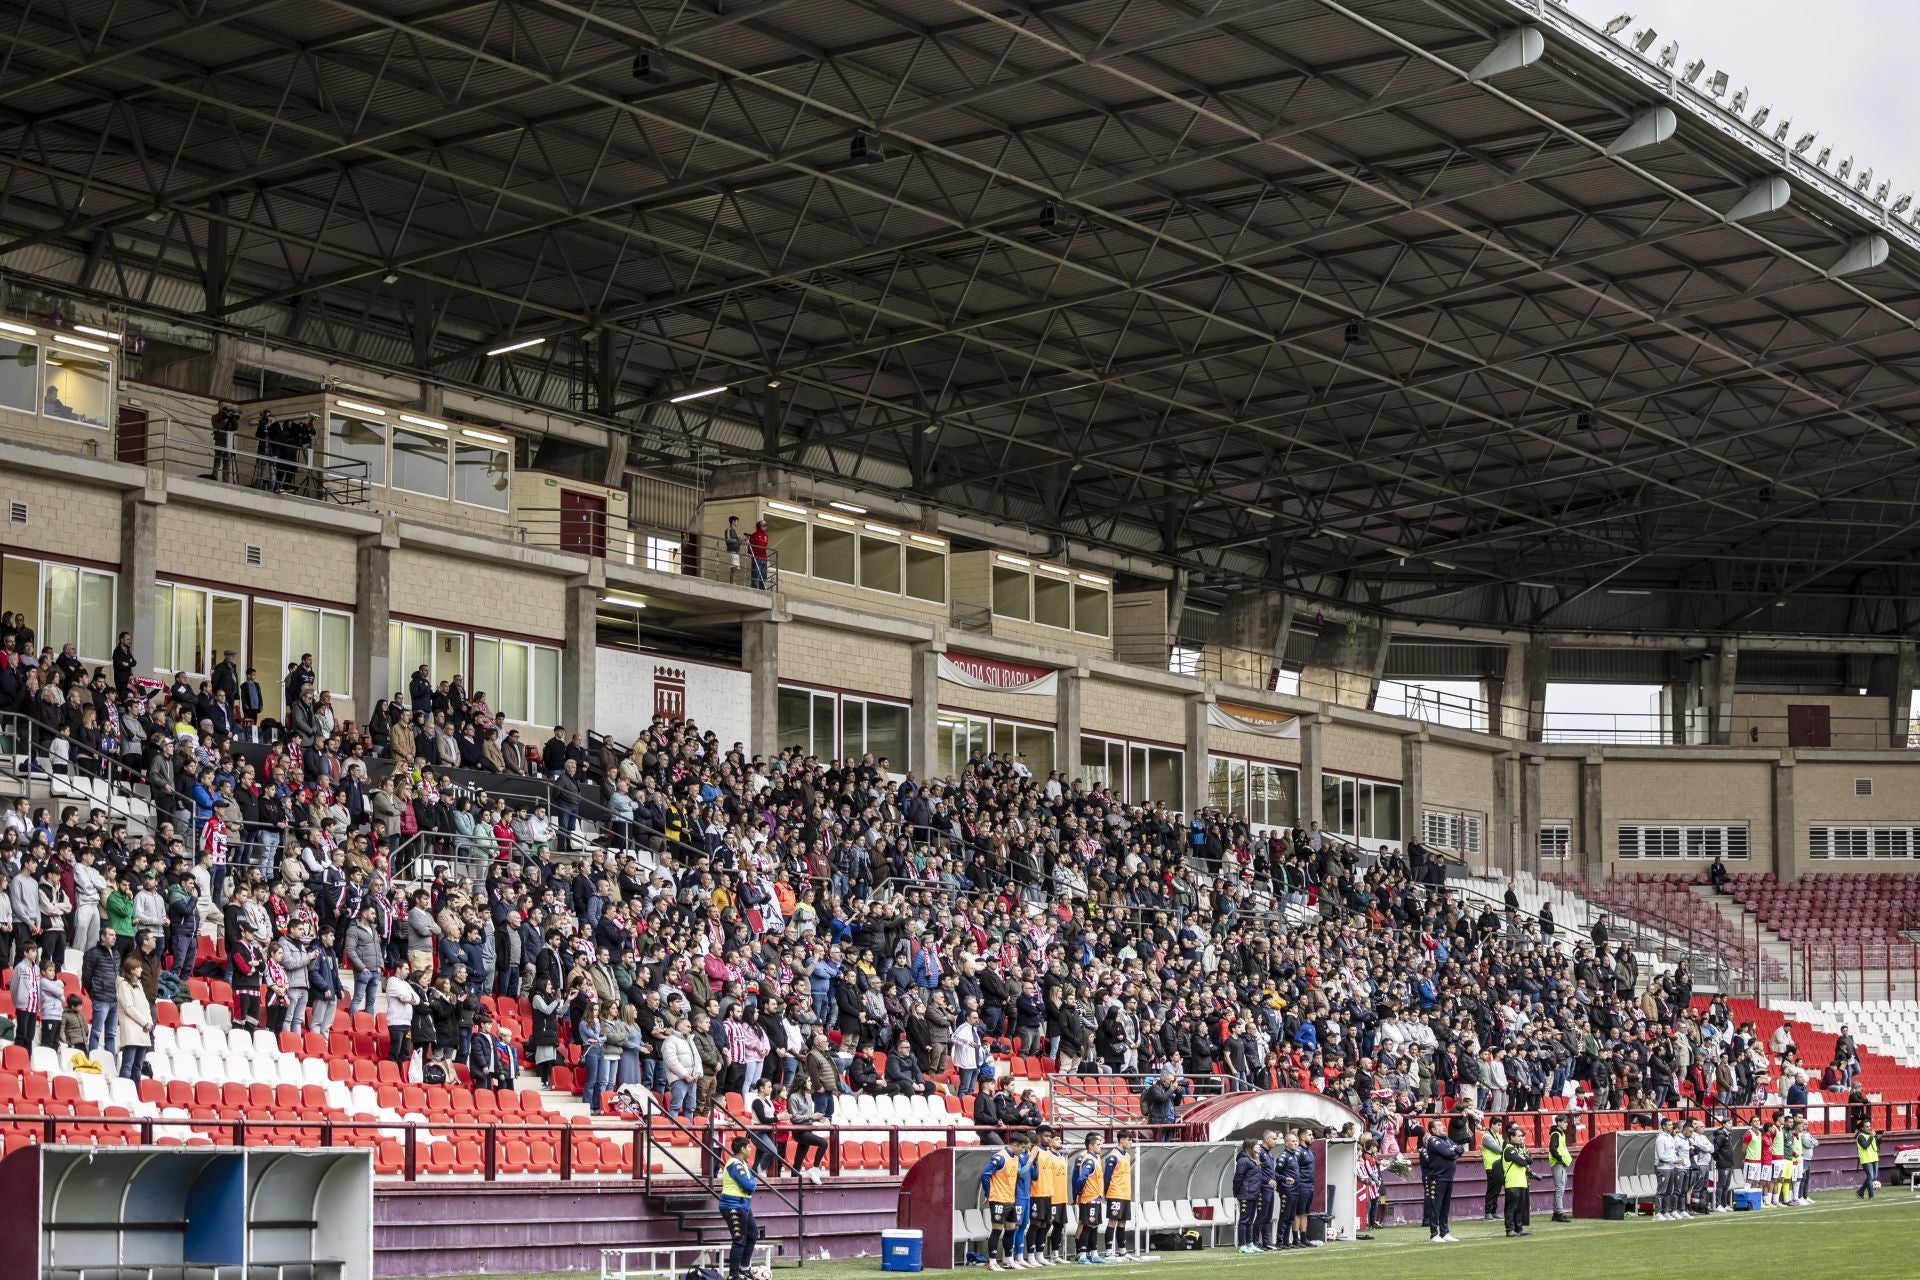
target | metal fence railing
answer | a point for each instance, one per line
(590, 532)
(244, 461)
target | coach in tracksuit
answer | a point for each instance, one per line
(1269, 1157)
(1438, 1156)
(1304, 1169)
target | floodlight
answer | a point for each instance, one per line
(1880, 192)
(1865, 178)
(866, 150)
(1693, 70)
(1718, 84)
(1760, 116)
(1900, 205)
(648, 68)
(1356, 334)
(1643, 40)
(1821, 159)
(1846, 167)
(1740, 99)
(1780, 130)
(1804, 141)
(1668, 53)
(1618, 25)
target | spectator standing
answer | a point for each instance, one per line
(134, 1014)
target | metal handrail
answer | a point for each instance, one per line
(121, 781)
(623, 540)
(186, 449)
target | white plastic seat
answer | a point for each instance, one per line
(218, 1015)
(192, 1014)
(47, 1061)
(265, 1043)
(123, 1093)
(163, 1037)
(313, 1071)
(188, 1039)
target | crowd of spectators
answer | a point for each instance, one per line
(822, 926)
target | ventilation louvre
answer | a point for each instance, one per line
(16, 513)
(254, 558)
(1863, 786)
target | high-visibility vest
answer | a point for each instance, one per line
(1089, 1175)
(1557, 1152)
(1869, 1149)
(1517, 1172)
(1050, 1178)
(1120, 1177)
(1005, 1180)
(1490, 1150)
(1754, 1147)
(731, 1188)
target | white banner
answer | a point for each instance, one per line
(1268, 724)
(976, 672)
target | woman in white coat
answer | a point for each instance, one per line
(136, 1018)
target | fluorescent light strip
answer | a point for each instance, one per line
(1014, 560)
(428, 423)
(1538, 586)
(696, 395)
(485, 437)
(354, 406)
(1096, 579)
(1054, 568)
(624, 602)
(1442, 564)
(81, 342)
(108, 334)
(848, 506)
(787, 507)
(8, 326)
(833, 519)
(516, 346)
(1627, 591)
(880, 528)
(925, 541)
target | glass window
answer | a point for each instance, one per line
(75, 606)
(482, 474)
(957, 738)
(1090, 606)
(1166, 776)
(546, 684)
(1034, 745)
(96, 636)
(20, 590)
(926, 574)
(1052, 601)
(1010, 593)
(833, 554)
(511, 681)
(189, 610)
(879, 564)
(1103, 762)
(78, 388)
(486, 675)
(876, 728)
(1385, 824)
(806, 721)
(60, 609)
(357, 440)
(19, 375)
(786, 542)
(420, 461)
(334, 662)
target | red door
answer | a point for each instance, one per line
(130, 437)
(1809, 726)
(583, 523)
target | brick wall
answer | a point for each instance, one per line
(1823, 791)
(1351, 748)
(485, 596)
(209, 544)
(64, 519)
(1560, 792)
(847, 660)
(1699, 791)
(1457, 779)
(1120, 710)
(1857, 722)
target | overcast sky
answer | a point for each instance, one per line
(1840, 66)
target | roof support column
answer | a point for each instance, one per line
(1892, 676)
(760, 655)
(1346, 665)
(1253, 628)
(1720, 675)
(1520, 710)
(923, 721)
(1593, 818)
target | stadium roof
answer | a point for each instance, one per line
(1458, 311)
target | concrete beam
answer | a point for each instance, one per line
(1258, 621)
(373, 673)
(923, 728)
(1346, 664)
(1503, 848)
(760, 655)
(1892, 677)
(1069, 689)
(139, 565)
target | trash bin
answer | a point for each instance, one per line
(1613, 1208)
(1317, 1227)
(900, 1250)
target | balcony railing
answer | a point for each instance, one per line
(182, 449)
(618, 540)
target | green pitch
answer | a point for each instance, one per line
(1837, 1238)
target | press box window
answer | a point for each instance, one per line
(356, 440)
(879, 564)
(19, 375)
(1052, 601)
(1090, 610)
(1011, 593)
(833, 552)
(786, 542)
(77, 389)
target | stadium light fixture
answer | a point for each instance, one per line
(1739, 99)
(1866, 176)
(1760, 116)
(521, 345)
(8, 326)
(355, 406)
(624, 602)
(1780, 130)
(1618, 25)
(1880, 192)
(866, 149)
(1717, 85)
(848, 507)
(392, 277)
(1821, 159)
(1846, 167)
(647, 68)
(1804, 141)
(1644, 38)
(701, 394)
(1627, 591)
(1669, 52)
(1900, 205)
(1693, 71)
(1356, 334)
(1583, 421)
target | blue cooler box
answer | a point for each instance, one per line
(900, 1250)
(1749, 1201)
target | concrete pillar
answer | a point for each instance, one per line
(1721, 671)
(1673, 713)
(139, 564)
(1593, 819)
(1504, 848)
(1069, 689)
(1312, 752)
(223, 364)
(1254, 627)
(1413, 757)
(1345, 665)
(1195, 781)
(1527, 822)
(1892, 677)
(760, 655)
(1493, 692)
(373, 673)
(1786, 831)
(579, 662)
(1523, 691)
(923, 723)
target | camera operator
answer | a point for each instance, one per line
(226, 421)
(296, 446)
(266, 452)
